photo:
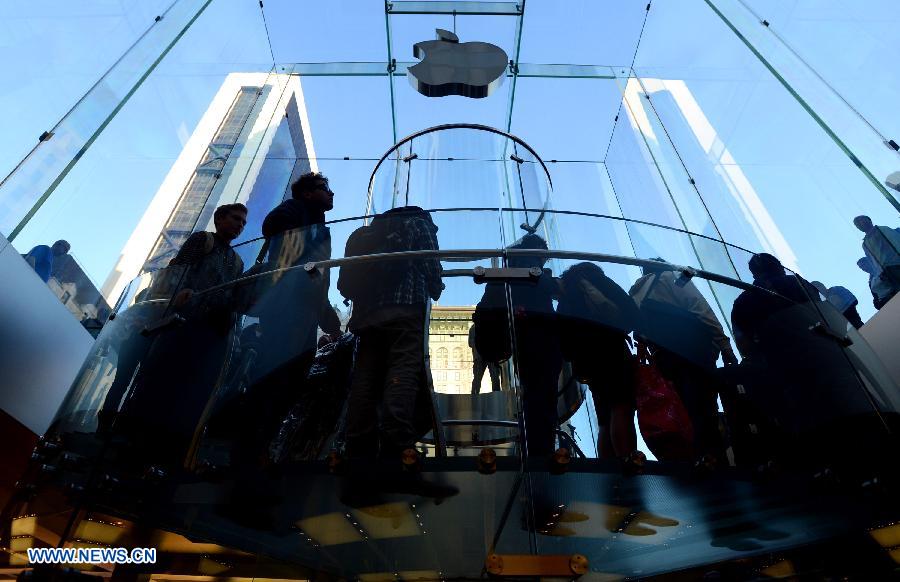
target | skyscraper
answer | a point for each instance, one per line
(253, 140)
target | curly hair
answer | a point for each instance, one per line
(307, 183)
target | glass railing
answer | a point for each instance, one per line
(69, 282)
(533, 383)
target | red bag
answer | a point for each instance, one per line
(662, 417)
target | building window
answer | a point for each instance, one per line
(457, 358)
(442, 358)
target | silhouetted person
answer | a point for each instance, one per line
(390, 301)
(131, 347)
(843, 300)
(297, 232)
(479, 365)
(688, 339)
(596, 316)
(538, 355)
(752, 308)
(807, 402)
(882, 245)
(179, 372)
(41, 258)
(882, 291)
(291, 306)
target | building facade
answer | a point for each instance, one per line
(235, 154)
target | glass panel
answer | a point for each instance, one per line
(567, 119)
(156, 163)
(636, 181)
(609, 36)
(569, 71)
(461, 167)
(106, 380)
(746, 141)
(343, 30)
(55, 54)
(855, 135)
(439, 7)
(860, 44)
(54, 157)
(583, 187)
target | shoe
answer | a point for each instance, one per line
(411, 460)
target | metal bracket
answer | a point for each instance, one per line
(687, 274)
(410, 158)
(45, 136)
(513, 67)
(516, 159)
(514, 565)
(484, 274)
(819, 328)
(392, 66)
(892, 144)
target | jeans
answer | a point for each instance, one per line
(389, 371)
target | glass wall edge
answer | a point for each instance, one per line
(33, 167)
(719, 7)
(399, 69)
(461, 8)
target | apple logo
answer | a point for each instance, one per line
(448, 67)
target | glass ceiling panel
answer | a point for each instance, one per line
(582, 31)
(415, 111)
(342, 124)
(566, 119)
(409, 29)
(437, 6)
(335, 30)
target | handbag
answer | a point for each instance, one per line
(662, 416)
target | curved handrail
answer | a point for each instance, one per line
(313, 267)
(547, 211)
(475, 126)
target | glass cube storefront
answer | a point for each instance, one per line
(599, 221)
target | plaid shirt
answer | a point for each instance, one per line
(422, 280)
(204, 268)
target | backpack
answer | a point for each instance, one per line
(387, 233)
(491, 323)
(592, 297)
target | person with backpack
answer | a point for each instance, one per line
(686, 339)
(390, 300)
(596, 316)
(537, 356)
(179, 370)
